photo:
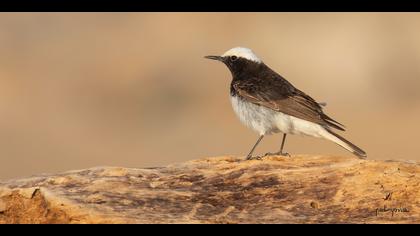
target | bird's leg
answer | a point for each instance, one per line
(249, 156)
(281, 153)
(282, 145)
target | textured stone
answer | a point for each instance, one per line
(2, 206)
(298, 189)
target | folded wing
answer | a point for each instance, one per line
(278, 94)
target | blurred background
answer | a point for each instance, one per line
(79, 90)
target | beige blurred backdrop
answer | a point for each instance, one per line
(79, 90)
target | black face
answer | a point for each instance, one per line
(237, 65)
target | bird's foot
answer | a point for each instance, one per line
(277, 154)
(254, 157)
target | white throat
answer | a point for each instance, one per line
(242, 52)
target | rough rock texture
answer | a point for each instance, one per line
(300, 189)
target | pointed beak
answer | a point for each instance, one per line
(217, 58)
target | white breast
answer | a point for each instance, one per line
(266, 121)
(258, 118)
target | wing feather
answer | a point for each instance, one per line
(279, 95)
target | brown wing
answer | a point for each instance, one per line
(280, 95)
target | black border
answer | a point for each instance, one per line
(208, 6)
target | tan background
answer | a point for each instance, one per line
(132, 89)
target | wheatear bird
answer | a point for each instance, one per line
(267, 103)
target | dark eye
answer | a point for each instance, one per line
(233, 58)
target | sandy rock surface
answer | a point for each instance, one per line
(297, 189)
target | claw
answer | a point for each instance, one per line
(270, 154)
(253, 158)
(277, 154)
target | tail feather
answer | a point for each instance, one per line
(346, 144)
(331, 122)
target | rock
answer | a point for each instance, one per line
(2, 207)
(298, 189)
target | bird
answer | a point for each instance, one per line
(268, 104)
